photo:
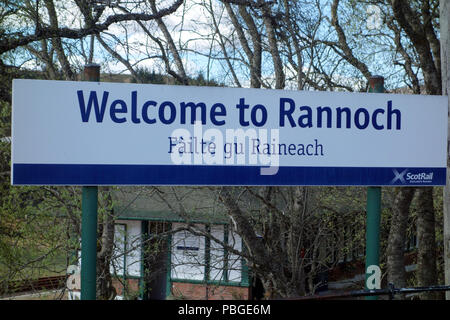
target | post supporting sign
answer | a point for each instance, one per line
(89, 221)
(89, 242)
(373, 219)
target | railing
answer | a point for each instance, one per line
(391, 291)
(45, 283)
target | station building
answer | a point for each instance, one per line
(165, 247)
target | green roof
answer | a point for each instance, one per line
(171, 204)
(168, 216)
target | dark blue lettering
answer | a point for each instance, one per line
(145, 116)
(366, 118)
(307, 149)
(242, 106)
(193, 107)
(397, 114)
(134, 117)
(287, 113)
(307, 116)
(318, 146)
(214, 113)
(374, 119)
(320, 111)
(172, 114)
(340, 111)
(171, 144)
(86, 111)
(263, 115)
(291, 149)
(113, 111)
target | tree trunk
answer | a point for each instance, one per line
(273, 45)
(173, 49)
(105, 289)
(397, 238)
(426, 255)
(299, 208)
(419, 35)
(256, 57)
(444, 7)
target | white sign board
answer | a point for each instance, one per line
(89, 133)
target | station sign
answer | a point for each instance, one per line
(99, 133)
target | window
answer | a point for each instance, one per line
(197, 257)
(188, 255)
(119, 258)
(126, 259)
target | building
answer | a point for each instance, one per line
(157, 257)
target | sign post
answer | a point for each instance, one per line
(373, 272)
(89, 221)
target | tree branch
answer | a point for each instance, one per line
(12, 41)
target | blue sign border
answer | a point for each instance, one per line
(101, 174)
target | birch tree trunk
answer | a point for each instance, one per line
(105, 289)
(445, 45)
(397, 237)
(273, 45)
(426, 255)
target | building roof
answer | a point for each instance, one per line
(171, 204)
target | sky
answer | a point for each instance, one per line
(191, 29)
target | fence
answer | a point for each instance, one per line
(391, 291)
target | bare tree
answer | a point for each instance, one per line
(94, 22)
(412, 32)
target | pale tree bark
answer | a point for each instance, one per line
(445, 68)
(417, 24)
(244, 227)
(46, 56)
(173, 49)
(164, 55)
(105, 289)
(223, 46)
(297, 48)
(299, 207)
(408, 64)
(118, 57)
(254, 57)
(57, 43)
(269, 23)
(397, 237)
(423, 38)
(426, 255)
(167, 53)
(420, 35)
(347, 52)
(49, 48)
(284, 240)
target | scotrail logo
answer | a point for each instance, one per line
(406, 177)
(399, 176)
